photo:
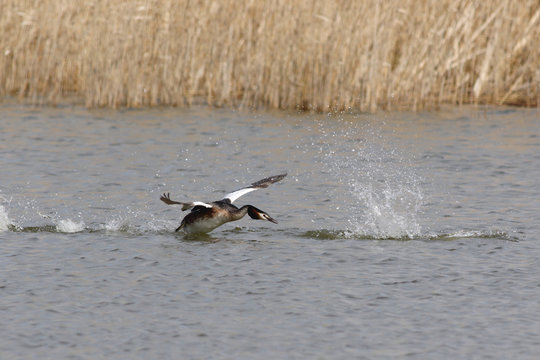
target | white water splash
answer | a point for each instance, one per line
(114, 225)
(381, 194)
(388, 211)
(4, 220)
(69, 226)
(135, 221)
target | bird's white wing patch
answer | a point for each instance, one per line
(190, 205)
(200, 203)
(236, 194)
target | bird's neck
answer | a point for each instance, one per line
(240, 213)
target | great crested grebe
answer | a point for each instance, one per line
(205, 217)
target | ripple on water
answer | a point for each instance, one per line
(325, 234)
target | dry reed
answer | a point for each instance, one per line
(308, 54)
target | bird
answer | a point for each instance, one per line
(205, 217)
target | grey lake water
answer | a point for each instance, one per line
(400, 235)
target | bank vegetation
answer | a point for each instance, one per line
(364, 55)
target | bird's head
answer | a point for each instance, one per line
(258, 214)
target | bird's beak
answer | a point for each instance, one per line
(261, 215)
(271, 220)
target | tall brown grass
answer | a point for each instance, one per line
(309, 54)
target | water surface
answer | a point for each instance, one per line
(399, 236)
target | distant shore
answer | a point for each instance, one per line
(306, 55)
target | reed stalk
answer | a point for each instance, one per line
(364, 55)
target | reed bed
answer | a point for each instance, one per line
(313, 55)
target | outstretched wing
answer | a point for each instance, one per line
(166, 198)
(255, 186)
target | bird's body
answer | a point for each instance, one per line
(205, 217)
(202, 219)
